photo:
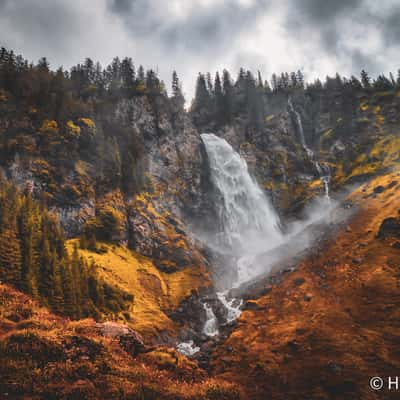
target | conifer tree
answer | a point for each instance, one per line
(227, 89)
(46, 270)
(365, 80)
(177, 96)
(57, 298)
(219, 99)
(10, 257)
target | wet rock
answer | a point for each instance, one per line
(251, 305)
(390, 227)
(308, 297)
(293, 345)
(130, 340)
(208, 346)
(335, 367)
(396, 245)
(132, 343)
(191, 315)
(356, 260)
(379, 189)
(267, 289)
(299, 281)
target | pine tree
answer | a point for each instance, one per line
(300, 79)
(57, 297)
(274, 83)
(177, 97)
(127, 73)
(10, 257)
(202, 99)
(227, 89)
(29, 236)
(260, 82)
(365, 80)
(293, 80)
(210, 88)
(46, 271)
(70, 305)
(219, 99)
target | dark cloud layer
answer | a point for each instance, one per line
(320, 12)
(321, 37)
(328, 17)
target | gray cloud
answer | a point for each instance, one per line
(391, 26)
(319, 12)
(208, 26)
(337, 24)
(321, 37)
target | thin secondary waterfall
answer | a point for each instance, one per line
(323, 170)
(248, 223)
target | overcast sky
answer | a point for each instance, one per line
(318, 36)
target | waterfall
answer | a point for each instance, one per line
(248, 223)
(323, 170)
(233, 311)
(211, 324)
(188, 348)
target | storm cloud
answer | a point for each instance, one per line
(319, 37)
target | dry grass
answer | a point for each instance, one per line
(60, 359)
(155, 292)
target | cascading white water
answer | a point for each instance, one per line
(211, 324)
(233, 311)
(248, 223)
(188, 348)
(323, 170)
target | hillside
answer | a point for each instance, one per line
(257, 232)
(45, 356)
(331, 325)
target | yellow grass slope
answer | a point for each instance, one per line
(155, 292)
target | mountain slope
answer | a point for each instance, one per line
(46, 356)
(331, 325)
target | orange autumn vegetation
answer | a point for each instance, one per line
(45, 356)
(334, 322)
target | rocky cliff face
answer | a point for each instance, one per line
(347, 131)
(354, 134)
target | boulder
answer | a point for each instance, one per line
(390, 227)
(379, 189)
(130, 340)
